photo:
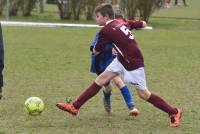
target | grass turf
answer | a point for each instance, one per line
(54, 64)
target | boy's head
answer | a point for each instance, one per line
(104, 12)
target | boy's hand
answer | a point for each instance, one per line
(114, 52)
(144, 24)
(95, 52)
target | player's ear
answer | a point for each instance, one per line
(107, 16)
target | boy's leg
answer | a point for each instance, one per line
(1, 95)
(157, 101)
(106, 97)
(125, 92)
(92, 90)
(1, 79)
(89, 92)
(160, 103)
(138, 80)
(106, 94)
(133, 111)
(1, 62)
(126, 95)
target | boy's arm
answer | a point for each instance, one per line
(136, 24)
(100, 43)
(94, 42)
(98, 47)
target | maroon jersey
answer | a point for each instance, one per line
(117, 32)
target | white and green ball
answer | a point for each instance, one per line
(34, 106)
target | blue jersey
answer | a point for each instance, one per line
(103, 59)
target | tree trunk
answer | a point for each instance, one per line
(2, 5)
(64, 7)
(147, 7)
(131, 8)
(41, 6)
(14, 7)
(91, 4)
(28, 6)
(76, 8)
(122, 5)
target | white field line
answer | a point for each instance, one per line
(39, 24)
(42, 24)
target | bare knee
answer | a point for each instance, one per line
(105, 77)
(118, 82)
(144, 94)
(100, 81)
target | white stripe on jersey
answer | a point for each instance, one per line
(120, 52)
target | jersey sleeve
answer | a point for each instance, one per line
(100, 42)
(135, 24)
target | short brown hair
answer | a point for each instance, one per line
(105, 9)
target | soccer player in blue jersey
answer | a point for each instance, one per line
(98, 65)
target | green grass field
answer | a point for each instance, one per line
(54, 64)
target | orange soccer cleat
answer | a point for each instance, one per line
(134, 112)
(68, 107)
(176, 119)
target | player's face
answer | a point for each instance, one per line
(100, 19)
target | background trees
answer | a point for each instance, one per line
(74, 9)
(64, 7)
(25, 7)
(142, 8)
(132, 8)
(2, 4)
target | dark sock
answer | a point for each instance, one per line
(107, 95)
(91, 91)
(158, 102)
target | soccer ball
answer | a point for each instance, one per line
(34, 106)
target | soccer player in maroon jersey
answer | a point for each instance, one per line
(129, 64)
